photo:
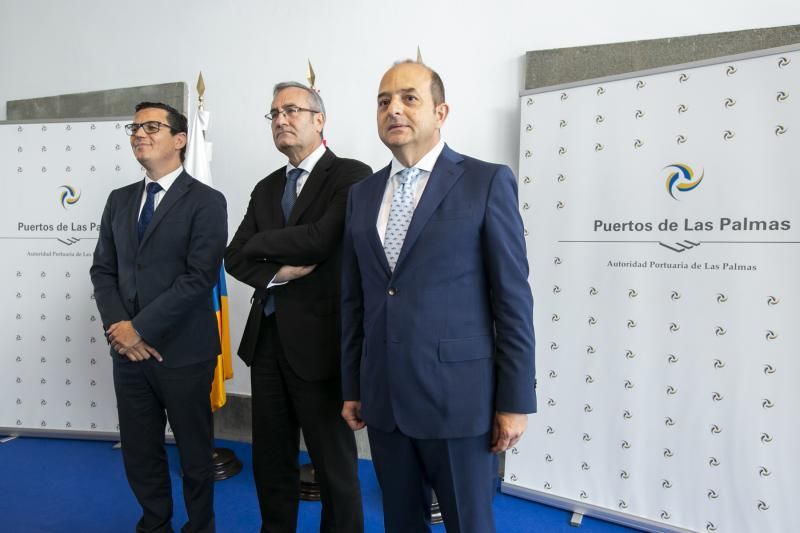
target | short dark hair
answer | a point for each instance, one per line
(176, 120)
(437, 86)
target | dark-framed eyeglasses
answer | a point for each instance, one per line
(150, 127)
(288, 112)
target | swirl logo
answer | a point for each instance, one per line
(628, 384)
(766, 437)
(592, 321)
(624, 475)
(530, 101)
(717, 397)
(625, 445)
(668, 421)
(710, 526)
(632, 293)
(627, 415)
(548, 458)
(771, 335)
(513, 477)
(672, 358)
(719, 363)
(773, 300)
(683, 179)
(562, 150)
(586, 437)
(69, 196)
(560, 205)
(590, 349)
(587, 408)
(561, 178)
(639, 113)
(721, 298)
(715, 429)
(583, 495)
(780, 130)
(598, 147)
(719, 331)
(665, 515)
(682, 108)
(553, 374)
(762, 505)
(673, 327)
(589, 379)
(529, 127)
(555, 317)
(769, 369)
(554, 346)
(640, 84)
(766, 403)
(564, 96)
(713, 461)
(675, 295)
(629, 354)
(783, 62)
(730, 71)
(671, 391)
(550, 430)
(712, 494)
(592, 291)
(764, 472)
(730, 102)
(631, 324)
(680, 139)
(585, 466)
(728, 135)
(599, 119)
(556, 289)
(782, 95)
(547, 485)
(600, 91)
(622, 504)
(551, 402)
(666, 484)
(637, 143)
(667, 452)
(562, 124)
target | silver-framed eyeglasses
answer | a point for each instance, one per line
(289, 112)
(150, 127)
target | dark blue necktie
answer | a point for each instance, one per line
(290, 192)
(149, 207)
(287, 203)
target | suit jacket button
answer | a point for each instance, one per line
(392, 291)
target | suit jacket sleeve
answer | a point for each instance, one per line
(309, 244)
(255, 272)
(209, 232)
(352, 315)
(512, 303)
(104, 273)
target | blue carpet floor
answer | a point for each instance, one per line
(58, 485)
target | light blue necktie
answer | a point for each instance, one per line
(149, 208)
(287, 203)
(290, 192)
(400, 214)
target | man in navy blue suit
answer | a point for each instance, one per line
(157, 258)
(437, 314)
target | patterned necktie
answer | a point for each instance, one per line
(290, 192)
(149, 207)
(400, 214)
(287, 203)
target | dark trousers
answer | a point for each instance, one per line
(282, 404)
(462, 471)
(149, 394)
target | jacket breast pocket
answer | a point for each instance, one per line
(466, 349)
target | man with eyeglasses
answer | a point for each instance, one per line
(288, 248)
(157, 258)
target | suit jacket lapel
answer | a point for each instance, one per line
(377, 188)
(179, 187)
(311, 188)
(445, 174)
(135, 204)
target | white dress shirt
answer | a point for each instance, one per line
(425, 165)
(165, 181)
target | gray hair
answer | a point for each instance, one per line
(316, 99)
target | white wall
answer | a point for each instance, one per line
(244, 47)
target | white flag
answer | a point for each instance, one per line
(198, 151)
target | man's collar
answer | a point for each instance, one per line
(309, 162)
(165, 181)
(426, 163)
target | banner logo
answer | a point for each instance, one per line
(681, 180)
(69, 196)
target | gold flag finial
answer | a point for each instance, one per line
(201, 89)
(310, 76)
(419, 57)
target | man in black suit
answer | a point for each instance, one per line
(157, 258)
(288, 248)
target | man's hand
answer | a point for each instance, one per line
(121, 335)
(351, 412)
(507, 430)
(289, 273)
(141, 352)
